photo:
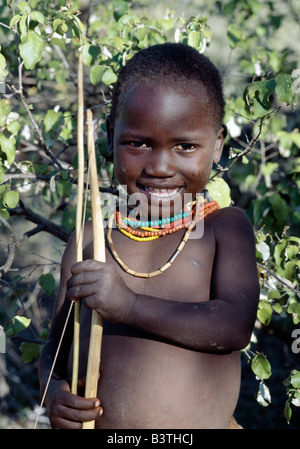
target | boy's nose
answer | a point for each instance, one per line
(160, 164)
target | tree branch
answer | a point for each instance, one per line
(280, 279)
(43, 224)
(249, 147)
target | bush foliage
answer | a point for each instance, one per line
(40, 42)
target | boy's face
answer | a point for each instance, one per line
(164, 143)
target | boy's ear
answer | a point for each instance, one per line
(220, 143)
(110, 135)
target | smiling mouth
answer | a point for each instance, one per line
(160, 192)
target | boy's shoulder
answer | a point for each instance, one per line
(231, 220)
(231, 213)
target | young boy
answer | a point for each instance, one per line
(172, 331)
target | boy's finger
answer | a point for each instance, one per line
(86, 265)
(80, 403)
(80, 291)
(82, 278)
(75, 416)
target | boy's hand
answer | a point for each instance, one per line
(69, 411)
(101, 288)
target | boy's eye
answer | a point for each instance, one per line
(138, 144)
(185, 146)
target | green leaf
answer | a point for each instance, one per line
(295, 379)
(52, 184)
(33, 3)
(264, 313)
(141, 33)
(257, 96)
(288, 410)
(280, 208)
(59, 42)
(3, 71)
(263, 250)
(23, 24)
(24, 7)
(292, 251)
(120, 8)
(8, 146)
(89, 54)
(11, 199)
(5, 109)
(13, 127)
(47, 282)
(220, 191)
(96, 74)
(269, 168)
(283, 87)
(64, 187)
(52, 120)
(261, 366)
(194, 38)
(234, 35)
(109, 77)
(16, 324)
(15, 20)
(277, 307)
(31, 49)
(38, 16)
(263, 396)
(57, 23)
(29, 351)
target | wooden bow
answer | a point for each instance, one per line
(99, 254)
(92, 373)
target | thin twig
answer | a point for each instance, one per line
(280, 279)
(249, 147)
(10, 247)
(36, 128)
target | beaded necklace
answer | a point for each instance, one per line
(197, 213)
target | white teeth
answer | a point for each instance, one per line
(161, 193)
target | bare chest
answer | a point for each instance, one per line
(187, 278)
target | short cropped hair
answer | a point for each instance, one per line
(163, 63)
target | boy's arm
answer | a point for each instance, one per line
(222, 324)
